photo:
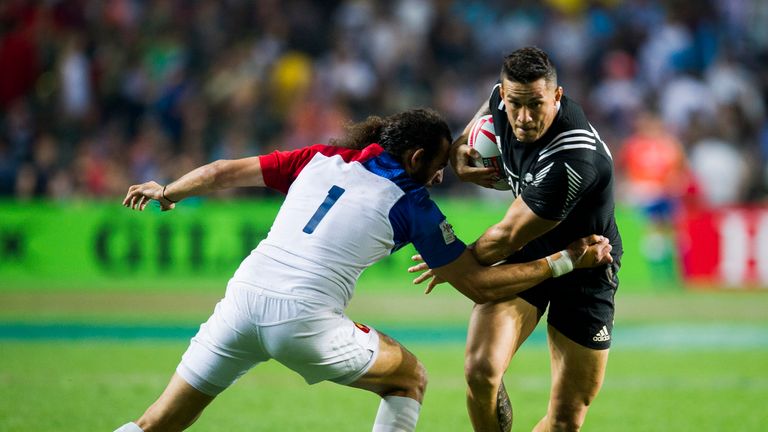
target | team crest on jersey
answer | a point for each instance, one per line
(448, 235)
(532, 180)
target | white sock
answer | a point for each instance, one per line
(129, 427)
(397, 414)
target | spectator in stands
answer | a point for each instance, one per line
(653, 177)
(77, 71)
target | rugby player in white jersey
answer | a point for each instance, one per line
(348, 205)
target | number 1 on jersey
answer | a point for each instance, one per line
(333, 195)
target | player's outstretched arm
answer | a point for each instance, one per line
(483, 284)
(217, 175)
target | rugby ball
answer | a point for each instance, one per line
(482, 137)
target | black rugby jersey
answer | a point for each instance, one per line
(566, 175)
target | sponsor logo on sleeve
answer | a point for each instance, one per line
(448, 235)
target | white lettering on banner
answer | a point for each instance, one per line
(738, 247)
(734, 248)
(761, 249)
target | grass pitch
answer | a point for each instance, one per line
(698, 381)
(89, 386)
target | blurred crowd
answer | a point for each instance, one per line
(96, 95)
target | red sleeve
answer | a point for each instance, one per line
(280, 168)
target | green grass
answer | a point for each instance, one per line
(87, 386)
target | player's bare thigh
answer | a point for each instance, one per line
(496, 331)
(577, 375)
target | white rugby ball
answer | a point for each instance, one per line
(482, 137)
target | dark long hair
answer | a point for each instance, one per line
(398, 133)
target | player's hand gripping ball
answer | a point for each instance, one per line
(482, 137)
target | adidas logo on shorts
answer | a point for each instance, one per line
(602, 335)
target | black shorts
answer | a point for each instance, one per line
(581, 304)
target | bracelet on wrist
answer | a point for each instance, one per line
(561, 265)
(166, 198)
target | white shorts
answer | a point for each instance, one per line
(250, 326)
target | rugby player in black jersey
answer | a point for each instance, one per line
(561, 174)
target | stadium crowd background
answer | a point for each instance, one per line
(96, 95)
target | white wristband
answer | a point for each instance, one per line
(561, 265)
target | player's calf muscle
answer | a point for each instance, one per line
(503, 409)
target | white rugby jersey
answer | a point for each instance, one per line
(345, 209)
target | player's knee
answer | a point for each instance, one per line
(419, 380)
(480, 372)
(568, 417)
(412, 384)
